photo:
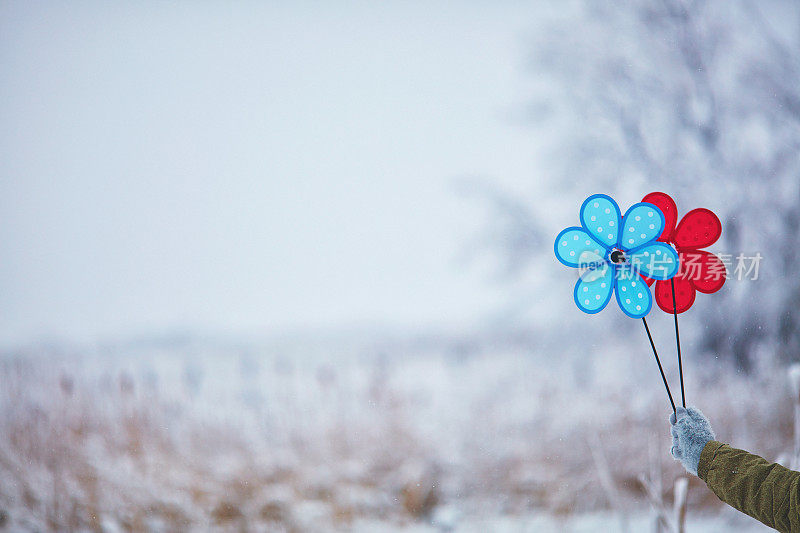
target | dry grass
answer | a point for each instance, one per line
(98, 446)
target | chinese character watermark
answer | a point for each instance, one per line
(699, 266)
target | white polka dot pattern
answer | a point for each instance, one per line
(642, 223)
(572, 242)
(657, 260)
(600, 216)
(593, 296)
(633, 294)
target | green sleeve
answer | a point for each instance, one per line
(766, 491)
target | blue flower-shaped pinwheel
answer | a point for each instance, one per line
(611, 251)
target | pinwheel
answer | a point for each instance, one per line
(612, 253)
(699, 270)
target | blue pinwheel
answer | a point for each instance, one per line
(612, 251)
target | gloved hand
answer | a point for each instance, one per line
(690, 433)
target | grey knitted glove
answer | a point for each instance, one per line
(690, 434)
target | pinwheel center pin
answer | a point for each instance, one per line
(617, 256)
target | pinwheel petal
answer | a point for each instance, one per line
(591, 266)
(656, 260)
(704, 270)
(600, 216)
(633, 294)
(572, 242)
(698, 229)
(593, 296)
(643, 223)
(666, 204)
(684, 294)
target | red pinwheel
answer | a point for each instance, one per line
(699, 270)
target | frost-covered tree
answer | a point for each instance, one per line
(700, 99)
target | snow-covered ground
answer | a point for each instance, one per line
(408, 434)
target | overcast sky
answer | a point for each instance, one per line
(250, 168)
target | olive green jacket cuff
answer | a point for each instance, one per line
(707, 457)
(767, 491)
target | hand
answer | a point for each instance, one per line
(690, 431)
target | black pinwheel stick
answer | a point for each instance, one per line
(678, 341)
(660, 368)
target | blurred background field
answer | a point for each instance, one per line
(436, 434)
(289, 267)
